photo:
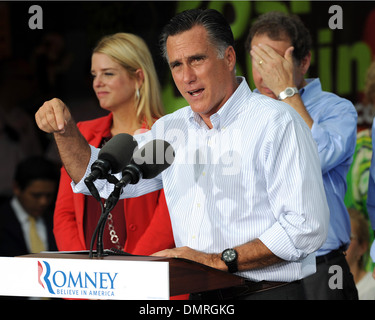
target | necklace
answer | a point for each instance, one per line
(112, 232)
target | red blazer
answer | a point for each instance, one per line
(147, 218)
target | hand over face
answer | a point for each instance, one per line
(272, 72)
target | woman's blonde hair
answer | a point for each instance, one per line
(132, 53)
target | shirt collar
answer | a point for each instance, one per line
(19, 211)
(313, 86)
(228, 111)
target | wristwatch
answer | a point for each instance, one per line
(287, 93)
(230, 256)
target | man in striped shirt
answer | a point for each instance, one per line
(246, 175)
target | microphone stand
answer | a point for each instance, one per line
(131, 174)
(105, 210)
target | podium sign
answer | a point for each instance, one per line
(84, 278)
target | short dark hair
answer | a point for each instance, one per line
(218, 29)
(35, 168)
(278, 25)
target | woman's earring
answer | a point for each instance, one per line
(137, 94)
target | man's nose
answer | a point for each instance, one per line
(188, 74)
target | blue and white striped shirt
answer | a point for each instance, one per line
(255, 174)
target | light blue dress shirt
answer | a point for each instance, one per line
(255, 174)
(335, 132)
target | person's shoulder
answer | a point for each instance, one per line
(268, 107)
(6, 211)
(179, 112)
(317, 95)
(330, 96)
(5, 205)
(256, 97)
(179, 116)
(93, 123)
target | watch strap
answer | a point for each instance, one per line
(232, 265)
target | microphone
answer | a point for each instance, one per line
(114, 155)
(147, 162)
(112, 158)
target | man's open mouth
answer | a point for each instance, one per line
(195, 93)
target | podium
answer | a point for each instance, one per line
(75, 275)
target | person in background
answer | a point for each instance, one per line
(126, 85)
(369, 93)
(359, 177)
(370, 97)
(19, 137)
(359, 173)
(357, 255)
(26, 220)
(279, 45)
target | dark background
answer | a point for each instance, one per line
(39, 64)
(80, 24)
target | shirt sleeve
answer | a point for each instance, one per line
(296, 194)
(81, 187)
(335, 133)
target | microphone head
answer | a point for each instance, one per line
(153, 158)
(118, 151)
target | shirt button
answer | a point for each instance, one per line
(132, 227)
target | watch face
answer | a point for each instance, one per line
(229, 255)
(289, 91)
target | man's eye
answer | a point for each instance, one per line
(174, 65)
(198, 59)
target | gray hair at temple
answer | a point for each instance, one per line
(218, 29)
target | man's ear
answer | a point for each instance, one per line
(305, 63)
(230, 57)
(16, 189)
